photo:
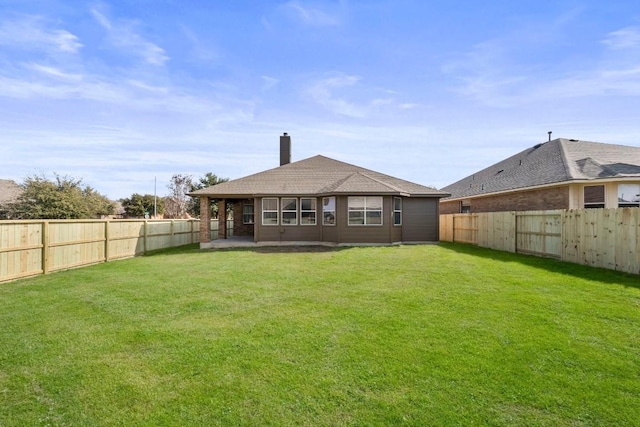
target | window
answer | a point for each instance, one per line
(465, 206)
(289, 211)
(329, 211)
(397, 211)
(247, 214)
(270, 211)
(629, 195)
(594, 196)
(307, 211)
(365, 210)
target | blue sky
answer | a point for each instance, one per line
(121, 92)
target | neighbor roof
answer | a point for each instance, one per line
(9, 191)
(317, 176)
(557, 161)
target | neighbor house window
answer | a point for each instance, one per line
(307, 211)
(365, 210)
(289, 211)
(270, 211)
(629, 195)
(247, 214)
(328, 211)
(465, 206)
(397, 211)
(594, 196)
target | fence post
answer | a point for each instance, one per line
(513, 222)
(144, 240)
(451, 224)
(172, 232)
(106, 240)
(45, 247)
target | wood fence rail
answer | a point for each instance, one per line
(608, 238)
(29, 248)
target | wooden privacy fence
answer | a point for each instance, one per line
(29, 248)
(608, 238)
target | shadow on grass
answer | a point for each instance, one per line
(560, 267)
(195, 248)
(549, 264)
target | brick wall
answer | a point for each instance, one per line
(533, 200)
(205, 223)
(449, 207)
(240, 229)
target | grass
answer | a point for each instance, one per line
(410, 335)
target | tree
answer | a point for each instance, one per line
(64, 198)
(207, 180)
(141, 206)
(176, 203)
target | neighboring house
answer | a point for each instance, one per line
(9, 193)
(323, 200)
(559, 174)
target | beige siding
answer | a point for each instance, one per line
(610, 193)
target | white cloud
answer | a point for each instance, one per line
(322, 92)
(493, 74)
(54, 72)
(345, 95)
(36, 33)
(123, 36)
(269, 82)
(200, 51)
(625, 38)
(313, 16)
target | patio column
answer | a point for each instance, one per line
(222, 219)
(205, 220)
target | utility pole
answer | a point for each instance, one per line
(155, 200)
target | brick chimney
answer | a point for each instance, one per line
(285, 149)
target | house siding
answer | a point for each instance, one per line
(288, 233)
(363, 233)
(542, 199)
(420, 220)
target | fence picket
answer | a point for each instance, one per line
(29, 248)
(608, 238)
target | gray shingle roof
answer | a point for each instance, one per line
(317, 176)
(557, 161)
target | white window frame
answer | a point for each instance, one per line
(284, 202)
(397, 212)
(313, 211)
(276, 211)
(246, 215)
(631, 200)
(367, 202)
(331, 203)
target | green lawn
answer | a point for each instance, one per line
(408, 335)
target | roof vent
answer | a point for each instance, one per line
(574, 140)
(550, 132)
(535, 147)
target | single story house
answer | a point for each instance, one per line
(322, 200)
(558, 174)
